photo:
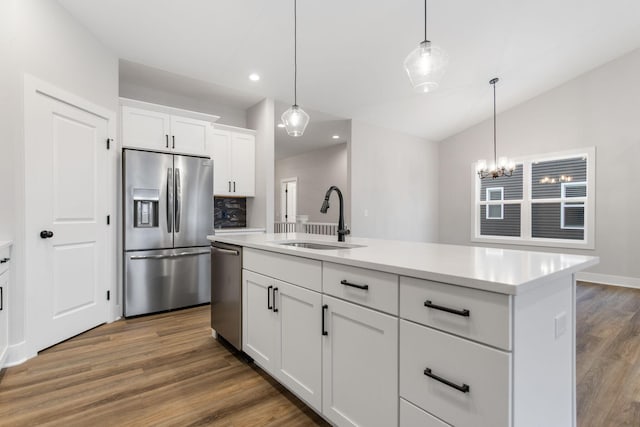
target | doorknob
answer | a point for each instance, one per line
(45, 234)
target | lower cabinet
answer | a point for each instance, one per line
(360, 365)
(282, 332)
(4, 317)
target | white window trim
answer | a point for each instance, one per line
(490, 202)
(525, 238)
(573, 201)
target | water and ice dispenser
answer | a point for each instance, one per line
(145, 207)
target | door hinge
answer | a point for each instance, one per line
(108, 143)
(108, 219)
(108, 295)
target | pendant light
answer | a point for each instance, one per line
(295, 119)
(500, 166)
(426, 64)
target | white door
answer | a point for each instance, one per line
(243, 164)
(259, 321)
(299, 339)
(360, 366)
(190, 136)
(289, 199)
(67, 199)
(221, 153)
(145, 129)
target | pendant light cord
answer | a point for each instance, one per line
(295, 52)
(495, 155)
(425, 20)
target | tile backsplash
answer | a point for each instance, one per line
(230, 212)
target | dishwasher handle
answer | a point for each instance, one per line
(181, 254)
(225, 251)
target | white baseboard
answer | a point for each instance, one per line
(18, 354)
(609, 279)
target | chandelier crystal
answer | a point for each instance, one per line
(426, 64)
(500, 166)
(295, 119)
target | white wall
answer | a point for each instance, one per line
(228, 115)
(260, 208)
(598, 109)
(49, 44)
(316, 171)
(394, 184)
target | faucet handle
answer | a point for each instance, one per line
(345, 231)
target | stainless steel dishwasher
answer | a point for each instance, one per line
(226, 292)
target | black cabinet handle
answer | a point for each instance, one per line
(229, 186)
(166, 138)
(269, 306)
(173, 138)
(275, 310)
(353, 285)
(3, 260)
(1, 298)
(234, 186)
(463, 388)
(324, 308)
(463, 312)
(45, 234)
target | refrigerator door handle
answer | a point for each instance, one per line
(169, 199)
(178, 201)
(180, 254)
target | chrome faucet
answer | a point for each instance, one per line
(342, 231)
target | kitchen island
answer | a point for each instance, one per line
(383, 333)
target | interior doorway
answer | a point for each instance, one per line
(288, 199)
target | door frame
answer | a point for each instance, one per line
(282, 206)
(34, 88)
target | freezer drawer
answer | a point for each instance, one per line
(166, 279)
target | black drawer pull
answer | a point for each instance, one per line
(463, 312)
(1, 298)
(269, 306)
(463, 388)
(275, 310)
(353, 285)
(3, 260)
(324, 308)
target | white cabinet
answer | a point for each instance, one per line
(360, 365)
(4, 309)
(282, 332)
(234, 162)
(159, 131)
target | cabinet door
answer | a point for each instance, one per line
(4, 317)
(190, 136)
(145, 129)
(243, 164)
(259, 322)
(300, 341)
(221, 155)
(360, 366)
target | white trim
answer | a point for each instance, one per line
(169, 110)
(609, 279)
(17, 354)
(490, 202)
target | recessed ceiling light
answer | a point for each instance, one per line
(254, 77)
(336, 137)
(280, 125)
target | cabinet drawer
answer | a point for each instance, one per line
(486, 372)
(479, 315)
(5, 254)
(412, 416)
(371, 288)
(297, 270)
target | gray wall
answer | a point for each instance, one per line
(40, 38)
(316, 171)
(394, 184)
(598, 109)
(260, 208)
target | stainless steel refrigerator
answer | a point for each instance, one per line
(168, 212)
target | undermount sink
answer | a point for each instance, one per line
(318, 245)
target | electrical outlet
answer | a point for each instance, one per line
(561, 324)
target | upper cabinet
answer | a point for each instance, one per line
(160, 128)
(234, 162)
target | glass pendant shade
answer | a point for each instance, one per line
(425, 66)
(295, 120)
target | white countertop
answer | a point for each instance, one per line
(504, 271)
(219, 231)
(5, 243)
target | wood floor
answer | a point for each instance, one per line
(166, 370)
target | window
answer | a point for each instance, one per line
(546, 202)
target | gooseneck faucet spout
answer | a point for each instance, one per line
(342, 231)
